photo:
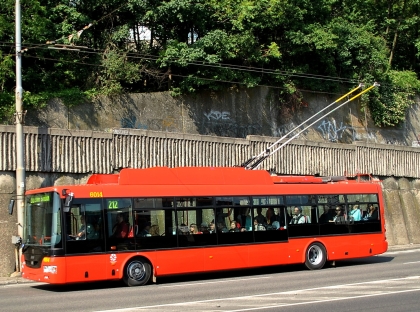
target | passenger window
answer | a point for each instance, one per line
(120, 219)
(195, 227)
(149, 223)
(195, 221)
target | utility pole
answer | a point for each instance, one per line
(19, 115)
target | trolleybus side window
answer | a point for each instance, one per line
(303, 215)
(269, 218)
(119, 220)
(193, 223)
(360, 207)
(233, 220)
(154, 223)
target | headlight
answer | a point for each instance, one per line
(50, 269)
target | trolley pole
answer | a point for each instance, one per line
(19, 115)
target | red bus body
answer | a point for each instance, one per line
(193, 182)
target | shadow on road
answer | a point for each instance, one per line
(363, 261)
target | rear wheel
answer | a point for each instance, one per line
(137, 272)
(316, 256)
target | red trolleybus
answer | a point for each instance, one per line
(144, 223)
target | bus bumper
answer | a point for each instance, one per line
(51, 271)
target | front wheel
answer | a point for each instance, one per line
(316, 256)
(137, 272)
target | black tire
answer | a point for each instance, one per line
(315, 256)
(137, 272)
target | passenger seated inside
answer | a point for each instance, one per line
(260, 218)
(355, 213)
(183, 229)
(256, 224)
(298, 217)
(154, 230)
(222, 228)
(121, 228)
(271, 216)
(145, 232)
(339, 215)
(326, 216)
(233, 227)
(204, 228)
(372, 213)
(212, 228)
(194, 229)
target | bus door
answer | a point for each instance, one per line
(84, 240)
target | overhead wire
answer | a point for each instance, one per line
(163, 74)
(251, 69)
(133, 55)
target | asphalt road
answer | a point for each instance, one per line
(389, 282)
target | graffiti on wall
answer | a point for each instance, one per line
(219, 123)
(331, 131)
(334, 132)
(217, 115)
(366, 136)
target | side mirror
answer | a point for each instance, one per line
(67, 202)
(11, 205)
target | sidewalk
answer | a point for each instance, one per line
(403, 247)
(18, 279)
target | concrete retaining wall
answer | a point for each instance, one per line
(234, 113)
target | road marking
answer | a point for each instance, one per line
(411, 262)
(215, 282)
(320, 301)
(381, 284)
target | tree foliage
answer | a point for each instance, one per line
(77, 49)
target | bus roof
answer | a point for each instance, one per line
(183, 181)
(201, 176)
(185, 176)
